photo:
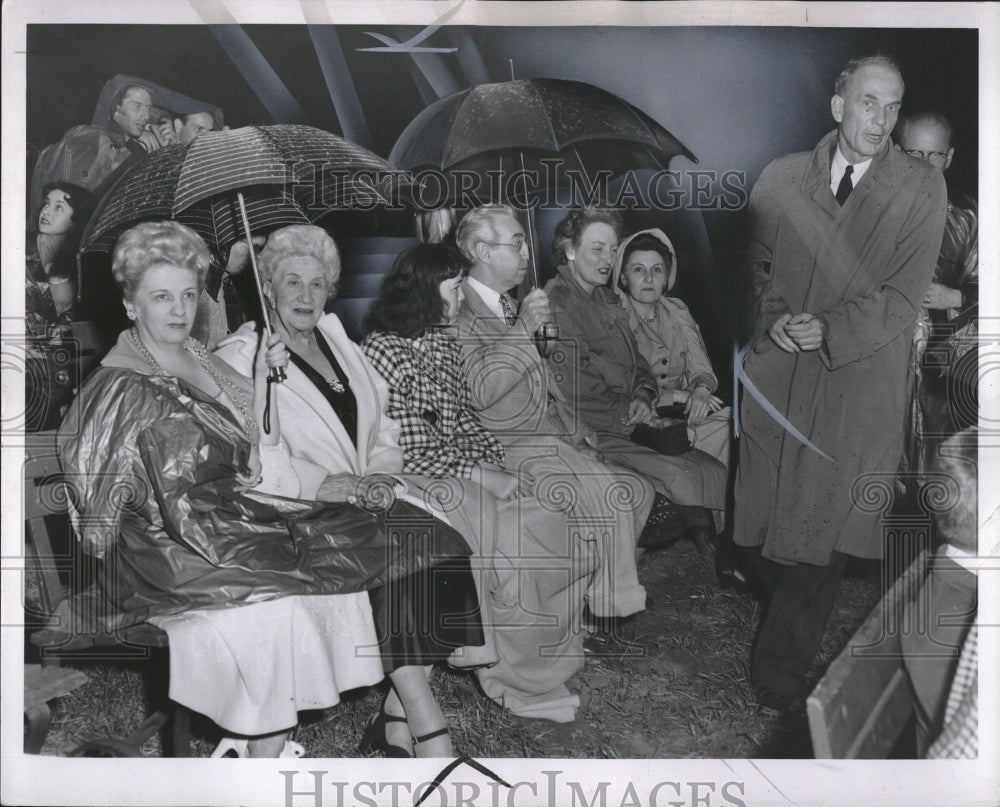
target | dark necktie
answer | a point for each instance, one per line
(508, 312)
(846, 186)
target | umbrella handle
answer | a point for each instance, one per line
(276, 374)
(547, 335)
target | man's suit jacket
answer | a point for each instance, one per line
(512, 388)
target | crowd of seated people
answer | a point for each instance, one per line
(269, 528)
(530, 531)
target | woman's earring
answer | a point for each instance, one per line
(130, 314)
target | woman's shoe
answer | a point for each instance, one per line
(428, 736)
(702, 538)
(734, 579)
(374, 737)
(231, 748)
(731, 568)
(293, 750)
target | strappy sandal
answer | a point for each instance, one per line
(374, 737)
(428, 736)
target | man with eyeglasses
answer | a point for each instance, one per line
(842, 246)
(945, 359)
(517, 398)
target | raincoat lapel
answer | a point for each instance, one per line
(816, 182)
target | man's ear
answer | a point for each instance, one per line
(837, 107)
(178, 125)
(483, 251)
(951, 154)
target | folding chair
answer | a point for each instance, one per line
(45, 497)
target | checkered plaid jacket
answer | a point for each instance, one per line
(429, 397)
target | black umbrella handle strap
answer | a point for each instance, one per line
(267, 404)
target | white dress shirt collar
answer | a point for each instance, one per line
(839, 164)
(488, 295)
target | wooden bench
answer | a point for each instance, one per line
(45, 497)
(862, 705)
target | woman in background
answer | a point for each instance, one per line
(50, 289)
(669, 340)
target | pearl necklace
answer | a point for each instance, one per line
(238, 396)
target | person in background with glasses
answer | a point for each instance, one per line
(945, 362)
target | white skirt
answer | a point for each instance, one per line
(252, 668)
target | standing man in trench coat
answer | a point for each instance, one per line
(839, 268)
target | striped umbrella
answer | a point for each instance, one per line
(288, 174)
(230, 184)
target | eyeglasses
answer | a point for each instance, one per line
(517, 243)
(926, 155)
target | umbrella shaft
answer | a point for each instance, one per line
(277, 373)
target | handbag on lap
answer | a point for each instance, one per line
(669, 440)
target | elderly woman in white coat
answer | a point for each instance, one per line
(332, 423)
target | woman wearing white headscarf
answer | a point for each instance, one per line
(645, 271)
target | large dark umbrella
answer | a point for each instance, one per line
(491, 131)
(502, 142)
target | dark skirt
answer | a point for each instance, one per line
(432, 608)
(423, 617)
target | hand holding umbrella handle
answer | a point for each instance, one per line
(546, 337)
(548, 333)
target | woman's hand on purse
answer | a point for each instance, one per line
(700, 404)
(377, 491)
(639, 411)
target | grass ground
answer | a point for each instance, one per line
(682, 692)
